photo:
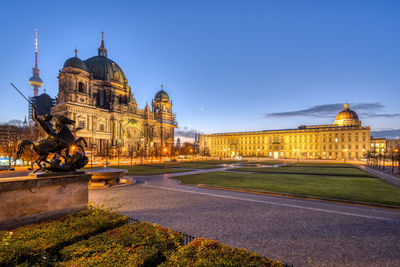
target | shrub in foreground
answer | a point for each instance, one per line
(207, 252)
(137, 244)
(40, 243)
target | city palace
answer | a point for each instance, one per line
(345, 139)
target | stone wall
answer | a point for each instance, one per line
(25, 200)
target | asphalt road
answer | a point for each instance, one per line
(296, 231)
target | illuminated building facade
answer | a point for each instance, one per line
(96, 94)
(346, 138)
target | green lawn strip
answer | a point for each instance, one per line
(137, 244)
(188, 165)
(148, 169)
(268, 162)
(207, 252)
(310, 170)
(221, 161)
(40, 243)
(321, 164)
(370, 190)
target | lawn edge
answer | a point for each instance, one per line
(300, 173)
(277, 194)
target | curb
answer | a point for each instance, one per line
(297, 196)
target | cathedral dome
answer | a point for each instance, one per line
(105, 69)
(161, 95)
(347, 117)
(75, 62)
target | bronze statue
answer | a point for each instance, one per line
(58, 140)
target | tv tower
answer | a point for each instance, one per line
(35, 80)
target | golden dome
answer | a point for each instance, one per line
(347, 117)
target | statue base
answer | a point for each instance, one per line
(41, 196)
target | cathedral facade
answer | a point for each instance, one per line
(96, 94)
(345, 139)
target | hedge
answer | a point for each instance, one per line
(40, 243)
(207, 252)
(137, 244)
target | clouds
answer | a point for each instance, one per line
(390, 134)
(185, 132)
(365, 110)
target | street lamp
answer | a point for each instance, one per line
(258, 153)
(345, 151)
(118, 152)
(73, 149)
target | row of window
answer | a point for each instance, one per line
(276, 147)
(289, 139)
(295, 154)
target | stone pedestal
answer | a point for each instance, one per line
(39, 197)
(105, 177)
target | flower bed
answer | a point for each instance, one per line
(96, 237)
(207, 252)
(137, 244)
(40, 243)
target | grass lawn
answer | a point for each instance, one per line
(228, 161)
(269, 162)
(188, 165)
(362, 189)
(321, 164)
(320, 170)
(147, 169)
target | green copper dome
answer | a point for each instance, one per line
(161, 95)
(75, 62)
(105, 69)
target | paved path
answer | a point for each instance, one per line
(392, 179)
(17, 173)
(294, 231)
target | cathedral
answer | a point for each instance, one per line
(96, 94)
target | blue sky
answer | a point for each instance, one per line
(225, 64)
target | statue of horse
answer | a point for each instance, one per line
(62, 140)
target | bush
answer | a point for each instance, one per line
(138, 244)
(40, 243)
(207, 252)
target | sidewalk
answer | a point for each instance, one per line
(389, 177)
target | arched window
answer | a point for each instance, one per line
(81, 88)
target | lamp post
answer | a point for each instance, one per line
(258, 153)
(392, 156)
(92, 146)
(131, 152)
(345, 151)
(118, 152)
(363, 153)
(398, 166)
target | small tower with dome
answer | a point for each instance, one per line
(347, 117)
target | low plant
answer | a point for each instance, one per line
(137, 244)
(40, 243)
(207, 252)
